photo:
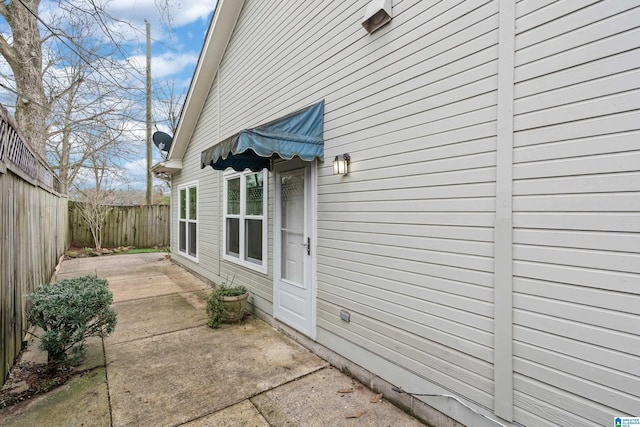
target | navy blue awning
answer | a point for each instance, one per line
(297, 134)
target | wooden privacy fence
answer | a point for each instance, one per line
(33, 217)
(140, 226)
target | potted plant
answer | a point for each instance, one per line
(226, 304)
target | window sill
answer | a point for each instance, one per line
(246, 264)
(187, 256)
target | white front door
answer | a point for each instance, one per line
(293, 290)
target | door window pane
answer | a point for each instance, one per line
(292, 232)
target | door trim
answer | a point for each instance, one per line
(310, 171)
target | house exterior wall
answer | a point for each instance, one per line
(576, 202)
(408, 242)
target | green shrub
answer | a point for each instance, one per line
(70, 311)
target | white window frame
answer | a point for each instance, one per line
(188, 221)
(240, 259)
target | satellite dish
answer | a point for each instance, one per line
(162, 141)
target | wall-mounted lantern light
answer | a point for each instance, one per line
(377, 14)
(341, 164)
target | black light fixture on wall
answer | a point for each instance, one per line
(341, 164)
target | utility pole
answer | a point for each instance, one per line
(149, 177)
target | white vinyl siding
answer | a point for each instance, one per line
(405, 241)
(576, 213)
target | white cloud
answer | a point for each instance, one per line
(166, 64)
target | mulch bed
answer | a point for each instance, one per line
(29, 379)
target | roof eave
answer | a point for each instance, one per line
(216, 41)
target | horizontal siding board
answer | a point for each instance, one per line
(445, 178)
(622, 62)
(623, 222)
(599, 145)
(421, 297)
(427, 42)
(587, 277)
(445, 219)
(473, 277)
(533, 15)
(621, 401)
(478, 80)
(578, 98)
(553, 414)
(593, 316)
(429, 69)
(581, 55)
(364, 337)
(606, 163)
(461, 191)
(601, 106)
(441, 360)
(468, 234)
(594, 297)
(479, 204)
(569, 38)
(470, 262)
(478, 97)
(588, 352)
(466, 247)
(438, 288)
(608, 202)
(586, 412)
(624, 122)
(467, 351)
(607, 338)
(526, 7)
(580, 19)
(403, 153)
(623, 242)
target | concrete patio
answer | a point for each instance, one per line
(164, 366)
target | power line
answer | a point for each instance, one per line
(23, 96)
(56, 35)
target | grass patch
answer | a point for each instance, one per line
(144, 250)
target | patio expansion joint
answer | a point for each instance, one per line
(157, 335)
(160, 296)
(322, 367)
(106, 377)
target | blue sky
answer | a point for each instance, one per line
(176, 41)
(177, 35)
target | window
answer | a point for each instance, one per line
(188, 221)
(245, 219)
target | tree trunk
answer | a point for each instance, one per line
(25, 60)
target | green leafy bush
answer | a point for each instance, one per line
(70, 311)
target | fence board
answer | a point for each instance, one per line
(139, 226)
(31, 214)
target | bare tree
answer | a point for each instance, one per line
(94, 208)
(169, 105)
(24, 56)
(70, 92)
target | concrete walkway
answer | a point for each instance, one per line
(163, 366)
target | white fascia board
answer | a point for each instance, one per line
(216, 41)
(170, 166)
